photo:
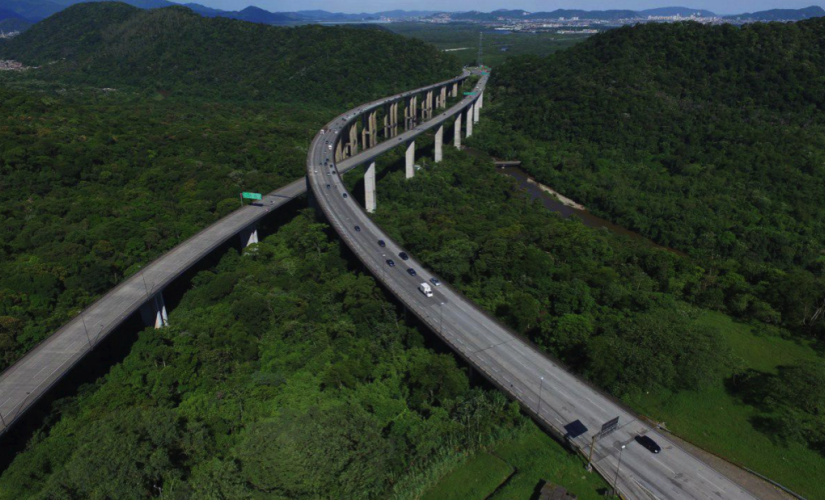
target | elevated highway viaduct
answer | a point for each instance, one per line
(30, 378)
(564, 404)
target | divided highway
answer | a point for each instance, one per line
(543, 388)
(27, 380)
(561, 401)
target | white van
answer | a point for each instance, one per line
(425, 289)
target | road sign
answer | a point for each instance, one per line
(469, 93)
(251, 196)
(609, 426)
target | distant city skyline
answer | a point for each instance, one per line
(355, 6)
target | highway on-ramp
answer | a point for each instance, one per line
(542, 386)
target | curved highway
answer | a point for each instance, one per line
(559, 400)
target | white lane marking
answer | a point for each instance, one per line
(663, 465)
(709, 481)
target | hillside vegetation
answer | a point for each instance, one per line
(710, 140)
(283, 375)
(95, 184)
(177, 51)
(619, 311)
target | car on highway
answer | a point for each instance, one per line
(381, 243)
(390, 262)
(327, 186)
(404, 256)
(411, 271)
(648, 443)
(345, 195)
(358, 228)
(435, 281)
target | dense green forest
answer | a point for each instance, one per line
(710, 140)
(283, 375)
(95, 183)
(176, 51)
(627, 315)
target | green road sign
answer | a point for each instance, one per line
(251, 196)
(469, 93)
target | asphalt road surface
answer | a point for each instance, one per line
(544, 388)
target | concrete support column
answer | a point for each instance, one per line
(338, 152)
(457, 131)
(249, 236)
(468, 117)
(410, 163)
(374, 129)
(369, 189)
(481, 100)
(455, 89)
(476, 109)
(394, 119)
(439, 141)
(153, 312)
(364, 131)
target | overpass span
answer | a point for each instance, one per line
(563, 403)
(27, 380)
(555, 397)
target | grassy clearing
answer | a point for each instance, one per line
(718, 422)
(533, 455)
(476, 478)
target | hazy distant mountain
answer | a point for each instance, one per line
(782, 14)
(34, 10)
(8, 14)
(14, 24)
(677, 11)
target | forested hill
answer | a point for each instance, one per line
(707, 139)
(173, 50)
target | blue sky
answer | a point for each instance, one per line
(718, 6)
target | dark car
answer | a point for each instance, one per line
(345, 195)
(327, 186)
(390, 262)
(435, 281)
(381, 243)
(411, 271)
(649, 444)
(404, 256)
(358, 228)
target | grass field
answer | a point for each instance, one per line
(498, 46)
(475, 479)
(718, 422)
(530, 457)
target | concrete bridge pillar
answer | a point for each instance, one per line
(369, 189)
(249, 236)
(374, 129)
(457, 131)
(395, 119)
(443, 97)
(481, 100)
(439, 141)
(476, 109)
(353, 139)
(410, 160)
(468, 117)
(455, 89)
(153, 312)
